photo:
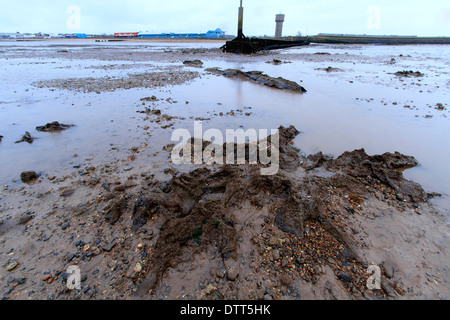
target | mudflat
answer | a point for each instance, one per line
(361, 181)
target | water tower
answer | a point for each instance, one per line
(279, 19)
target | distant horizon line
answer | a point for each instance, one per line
(226, 34)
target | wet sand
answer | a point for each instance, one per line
(114, 156)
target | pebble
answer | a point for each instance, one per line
(46, 277)
(232, 274)
(138, 267)
(285, 280)
(345, 277)
(109, 247)
(276, 254)
(66, 192)
(12, 266)
(389, 268)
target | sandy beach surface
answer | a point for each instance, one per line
(87, 178)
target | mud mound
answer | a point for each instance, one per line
(54, 126)
(201, 207)
(261, 78)
(386, 168)
(409, 73)
(206, 210)
(26, 138)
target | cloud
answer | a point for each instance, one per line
(338, 16)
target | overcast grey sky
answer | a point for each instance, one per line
(402, 17)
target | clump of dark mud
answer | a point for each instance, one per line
(409, 73)
(152, 98)
(207, 210)
(439, 106)
(28, 176)
(277, 62)
(54, 126)
(330, 69)
(193, 63)
(261, 78)
(26, 138)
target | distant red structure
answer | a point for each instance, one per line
(125, 35)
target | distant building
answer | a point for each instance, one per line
(212, 34)
(80, 35)
(279, 19)
(218, 33)
(125, 35)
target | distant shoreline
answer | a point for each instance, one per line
(117, 40)
(318, 39)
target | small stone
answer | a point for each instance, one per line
(46, 277)
(285, 280)
(63, 276)
(221, 274)
(232, 274)
(345, 277)
(389, 269)
(138, 267)
(25, 218)
(12, 266)
(210, 288)
(109, 247)
(276, 254)
(66, 192)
